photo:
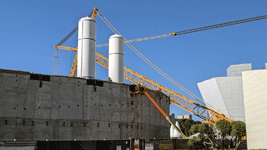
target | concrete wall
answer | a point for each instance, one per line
(57, 107)
(255, 99)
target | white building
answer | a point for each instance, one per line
(226, 93)
(242, 95)
(185, 117)
(255, 102)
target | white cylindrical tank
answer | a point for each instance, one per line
(116, 58)
(86, 48)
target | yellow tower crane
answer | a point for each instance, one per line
(177, 99)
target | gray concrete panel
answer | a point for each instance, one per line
(63, 108)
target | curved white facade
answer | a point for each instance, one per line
(226, 93)
(86, 48)
(116, 58)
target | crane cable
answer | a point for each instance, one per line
(197, 29)
(147, 60)
(181, 33)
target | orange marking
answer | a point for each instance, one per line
(163, 113)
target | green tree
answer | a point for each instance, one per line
(198, 122)
(206, 136)
(225, 128)
(238, 130)
(193, 142)
(194, 129)
(185, 125)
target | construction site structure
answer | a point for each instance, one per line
(177, 99)
(208, 114)
(46, 107)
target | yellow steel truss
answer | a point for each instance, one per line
(177, 99)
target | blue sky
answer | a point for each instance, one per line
(30, 29)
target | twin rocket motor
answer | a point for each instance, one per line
(86, 52)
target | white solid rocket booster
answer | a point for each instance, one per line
(86, 48)
(116, 58)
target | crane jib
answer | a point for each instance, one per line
(197, 109)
